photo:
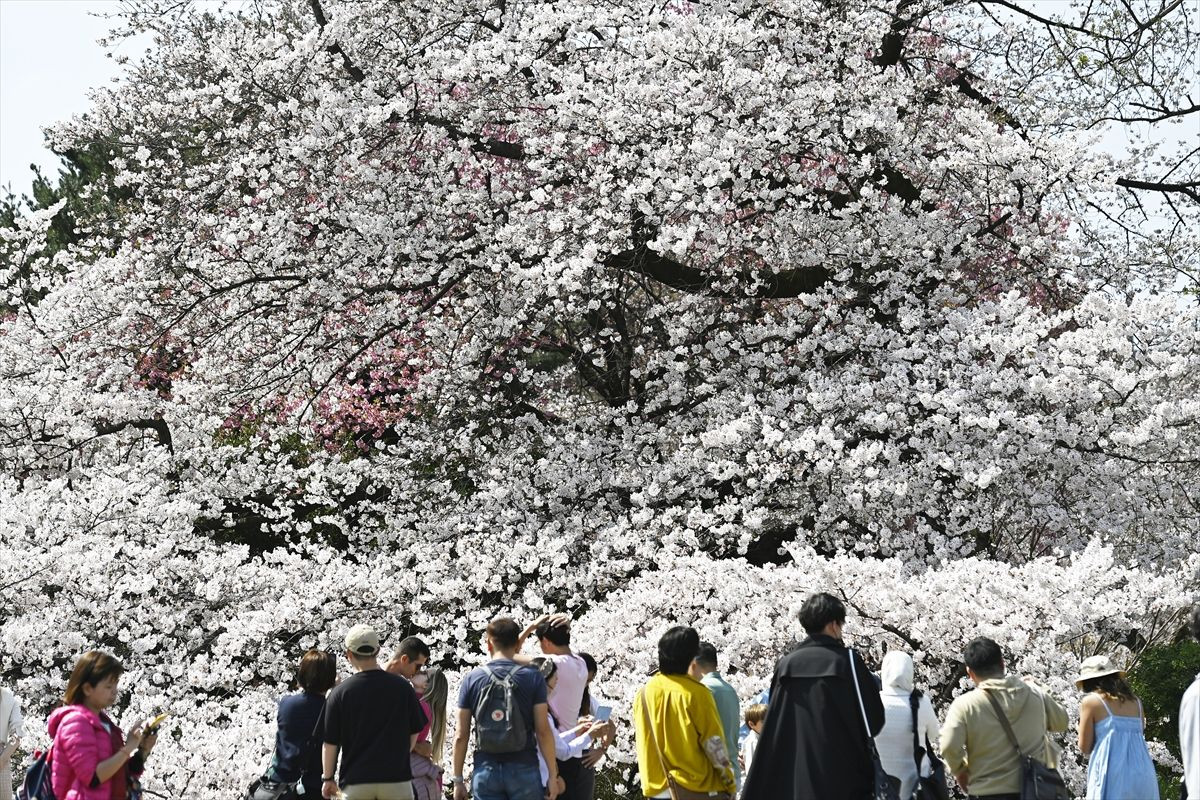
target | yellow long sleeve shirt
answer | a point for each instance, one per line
(684, 715)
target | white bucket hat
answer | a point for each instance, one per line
(1096, 667)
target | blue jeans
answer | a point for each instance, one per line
(507, 780)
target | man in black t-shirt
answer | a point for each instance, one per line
(372, 718)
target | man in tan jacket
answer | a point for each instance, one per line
(973, 743)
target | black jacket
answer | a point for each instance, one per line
(814, 745)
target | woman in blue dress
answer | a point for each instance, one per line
(1111, 730)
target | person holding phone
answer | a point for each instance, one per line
(92, 761)
(595, 752)
(571, 742)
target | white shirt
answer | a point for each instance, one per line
(11, 722)
(749, 745)
(566, 747)
(895, 741)
(1189, 737)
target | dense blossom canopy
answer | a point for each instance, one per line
(417, 313)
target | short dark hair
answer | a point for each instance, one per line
(677, 650)
(505, 632)
(555, 634)
(707, 655)
(93, 668)
(819, 610)
(1194, 627)
(317, 672)
(413, 648)
(590, 662)
(984, 657)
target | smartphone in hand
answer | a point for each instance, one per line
(152, 728)
(603, 713)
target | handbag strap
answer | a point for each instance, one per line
(861, 706)
(1008, 731)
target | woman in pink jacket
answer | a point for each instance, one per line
(89, 760)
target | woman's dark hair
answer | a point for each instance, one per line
(317, 672)
(677, 649)
(585, 705)
(547, 668)
(92, 668)
(1114, 687)
(820, 610)
(984, 657)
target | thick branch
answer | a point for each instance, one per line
(1190, 188)
(644, 261)
(336, 49)
(158, 425)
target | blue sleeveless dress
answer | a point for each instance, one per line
(1120, 767)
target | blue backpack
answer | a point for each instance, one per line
(499, 723)
(36, 785)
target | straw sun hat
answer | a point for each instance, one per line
(1096, 667)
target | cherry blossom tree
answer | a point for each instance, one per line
(420, 313)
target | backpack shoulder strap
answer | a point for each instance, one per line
(1004, 723)
(504, 679)
(914, 701)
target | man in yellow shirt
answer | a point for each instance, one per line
(677, 727)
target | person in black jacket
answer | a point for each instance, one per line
(815, 743)
(297, 748)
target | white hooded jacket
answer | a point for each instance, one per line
(895, 741)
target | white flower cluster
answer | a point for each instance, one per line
(418, 314)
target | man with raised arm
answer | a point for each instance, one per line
(553, 634)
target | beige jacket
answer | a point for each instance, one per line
(973, 739)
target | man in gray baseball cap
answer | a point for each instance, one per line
(368, 718)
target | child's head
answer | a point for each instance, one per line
(755, 716)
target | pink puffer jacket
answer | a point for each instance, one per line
(80, 743)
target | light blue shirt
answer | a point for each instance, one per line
(729, 709)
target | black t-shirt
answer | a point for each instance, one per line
(371, 716)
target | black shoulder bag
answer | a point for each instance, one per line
(1038, 781)
(932, 786)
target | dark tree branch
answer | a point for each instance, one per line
(336, 49)
(481, 144)
(158, 425)
(644, 261)
(1190, 188)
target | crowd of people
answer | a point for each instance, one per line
(829, 728)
